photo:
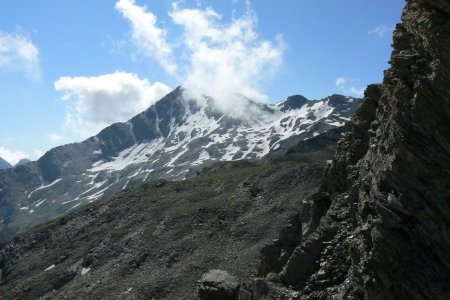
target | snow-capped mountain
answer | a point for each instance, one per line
(4, 164)
(167, 141)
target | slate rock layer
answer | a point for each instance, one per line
(379, 226)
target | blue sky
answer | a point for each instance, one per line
(69, 68)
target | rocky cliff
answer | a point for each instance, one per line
(379, 226)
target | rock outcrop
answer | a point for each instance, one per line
(379, 226)
(218, 285)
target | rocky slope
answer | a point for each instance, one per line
(155, 241)
(170, 140)
(379, 226)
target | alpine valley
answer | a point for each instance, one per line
(172, 140)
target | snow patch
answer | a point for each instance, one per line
(40, 202)
(73, 207)
(97, 152)
(126, 184)
(337, 124)
(44, 187)
(84, 271)
(230, 151)
(137, 153)
(97, 163)
(49, 268)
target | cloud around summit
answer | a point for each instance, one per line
(217, 57)
(350, 86)
(98, 101)
(11, 156)
(208, 56)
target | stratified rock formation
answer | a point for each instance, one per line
(379, 227)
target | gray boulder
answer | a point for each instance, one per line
(218, 285)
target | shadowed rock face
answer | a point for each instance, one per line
(403, 186)
(379, 227)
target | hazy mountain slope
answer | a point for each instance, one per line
(4, 164)
(379, 226)
(22, 162)
(167, 141)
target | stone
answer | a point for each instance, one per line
(218, 285)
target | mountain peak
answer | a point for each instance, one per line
(293, 102)
(337, 99)
(4, 164)
(22, 162)
(169, 140)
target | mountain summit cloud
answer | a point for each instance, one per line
(218, 58)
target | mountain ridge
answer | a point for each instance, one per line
(22, 161)
(4, 164)
(169, 140)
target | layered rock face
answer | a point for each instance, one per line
(403, 187)
(379, 228)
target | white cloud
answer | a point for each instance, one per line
(216, 58)
(356, 91)
(37, 154)
(55, 137)
(96, 102)
(17, 52)
(146, 35)
(340, 81)
(11, 156)
(381, 30)
(348, 86)
(226, 59)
